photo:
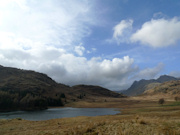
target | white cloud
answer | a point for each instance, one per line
(96, 71)
(119, 28)
(122, 31)
(79, 50)
(158, 33)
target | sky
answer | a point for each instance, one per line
(110, 43)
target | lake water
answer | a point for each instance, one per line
(54, 113)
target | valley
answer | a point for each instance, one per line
(139, 114)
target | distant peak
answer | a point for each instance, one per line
(164, 78)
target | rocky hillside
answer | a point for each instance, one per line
(170, 88)
(138, 87)
(29, 90)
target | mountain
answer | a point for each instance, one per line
(29, 90)
(166, 78)
(138, 87)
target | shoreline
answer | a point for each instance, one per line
(142, 117)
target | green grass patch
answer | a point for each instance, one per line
(172, 104)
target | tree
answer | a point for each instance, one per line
(63, 95)
(161, 101)
(6, 100)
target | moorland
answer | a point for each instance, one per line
(141, 114)
(138, 115)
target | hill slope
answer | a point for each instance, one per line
(29, 90)
(138, 87)
(96, 91)
(170, 88)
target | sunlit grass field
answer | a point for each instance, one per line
(137, 117)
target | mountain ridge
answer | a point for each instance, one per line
(138, 87)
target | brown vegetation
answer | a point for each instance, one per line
(168, 88)
(137, 117)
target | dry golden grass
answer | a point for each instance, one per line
(137, 118)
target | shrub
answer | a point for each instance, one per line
(176, 98)
(161, 101)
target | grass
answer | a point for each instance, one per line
(137, 118)
(173, 104)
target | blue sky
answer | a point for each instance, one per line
(110, 43)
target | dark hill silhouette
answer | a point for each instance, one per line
(29, 90)
(90, 90)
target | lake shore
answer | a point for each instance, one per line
(136, 117)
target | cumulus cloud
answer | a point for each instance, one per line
(96, 70)
(158, 33)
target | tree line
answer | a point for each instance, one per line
(27, 101)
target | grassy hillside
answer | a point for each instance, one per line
(29, 90)
(96, 91)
